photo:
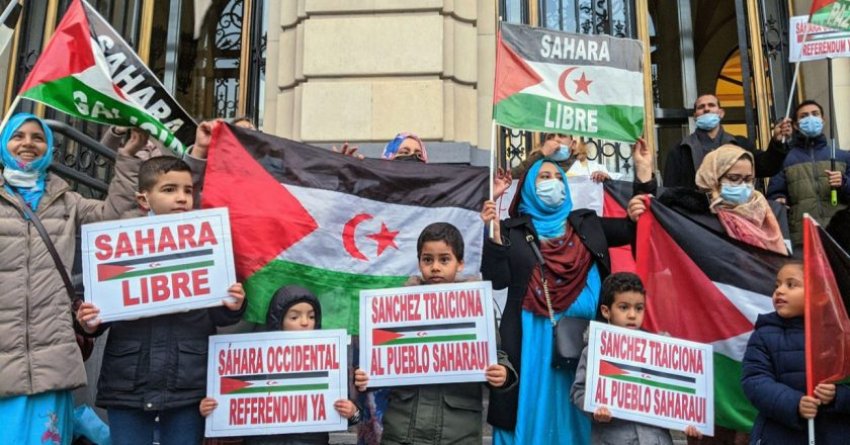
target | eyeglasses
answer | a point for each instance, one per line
(739, 179)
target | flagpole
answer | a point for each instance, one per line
(796, 72)
(10, 111)
(812, 431)
(493, 155)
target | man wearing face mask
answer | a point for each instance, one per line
(684, 159)
(808, 176)
(557, 147)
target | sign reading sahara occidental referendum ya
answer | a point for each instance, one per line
(277, 382)
(559, 82)
(140, 267)
(442, 333)
(821, 42)
(650, 378)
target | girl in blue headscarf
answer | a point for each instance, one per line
(573, 247)
(41, 362)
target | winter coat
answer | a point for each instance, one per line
(438, 414)
(680, 171)
(805, 185)
(774, 379)
(617, 431)
(159, 362)
(38, 350)
(510, 265)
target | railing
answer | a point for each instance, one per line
(84, 162)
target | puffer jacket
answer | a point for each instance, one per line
(774, 379)
(805, 185)
(160, 362)
(38, 351)
(438, 414)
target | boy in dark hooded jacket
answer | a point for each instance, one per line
(438, 414)
(294, 308)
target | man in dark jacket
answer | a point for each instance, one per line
(684, 159)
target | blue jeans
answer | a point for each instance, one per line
(177, 426)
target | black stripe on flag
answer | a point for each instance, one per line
(722, 259)
(169, 257)
(839, 261)
(280, 376)
(435, 327)
(409, 183)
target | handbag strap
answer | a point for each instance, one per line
(51, 248)
(542, 264)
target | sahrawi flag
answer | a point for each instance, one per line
(569, 83)
(707, 288)
(332, 223)
(88, 71)
(827, 283)
(831, 13)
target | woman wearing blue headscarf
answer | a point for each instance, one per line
(40, 361)
(573, 247)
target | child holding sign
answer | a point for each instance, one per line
(623, 299)
(293, 308)
(774, 374)
(449, 413)
(155, 368)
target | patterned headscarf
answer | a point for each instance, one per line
(391, 149)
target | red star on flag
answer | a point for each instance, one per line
(385, 238)
(582, 84)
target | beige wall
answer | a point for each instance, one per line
(363, 70)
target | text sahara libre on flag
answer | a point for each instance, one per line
(827, 302)
(332, 223)
(689, 270)
(88, 71)
(831, 13)
(560, 82)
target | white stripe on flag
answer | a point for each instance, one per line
(333, 211)
(750, 304)
(610, 86)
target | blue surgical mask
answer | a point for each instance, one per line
(552, 192)
(561, 154)
(736, 194)
(811, 126)
(708, 121)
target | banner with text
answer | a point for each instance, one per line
(277, 382)
(140, 267)
(419, 335)
(650, 378)
(821, 42)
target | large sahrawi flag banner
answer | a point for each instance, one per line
(706, 288)
(831, 13)
(560, 82)
(332, 223)
(88, 71)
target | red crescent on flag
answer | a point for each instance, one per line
(348, 235)
(562, 80)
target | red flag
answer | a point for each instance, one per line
(826, 270)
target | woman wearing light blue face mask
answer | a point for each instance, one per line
(544, 248)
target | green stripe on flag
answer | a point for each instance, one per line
(647, 382)
(62, 94)
(529, 112)
(732, 409)
(338, 292)
(430, 339)
(158, 270)
(834, 15)
(280, 388)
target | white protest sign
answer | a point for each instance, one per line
(650, 378)
(279, 382)
(821, 42)
(140, 267)
(419, 335)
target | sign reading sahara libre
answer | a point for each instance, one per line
(821, 42)
(277, 382)
(153, 265)
(418, 335)
(650, 378)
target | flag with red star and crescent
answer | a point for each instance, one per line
(332, 223)
(558, 82)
